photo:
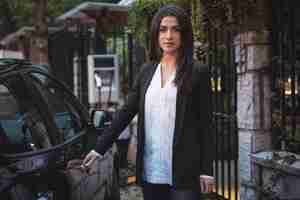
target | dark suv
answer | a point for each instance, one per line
(44, 128)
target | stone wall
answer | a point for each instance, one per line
(278, 175)
(252, 51)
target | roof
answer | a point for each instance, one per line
(115, 12)
(12, 37)
(126, 2)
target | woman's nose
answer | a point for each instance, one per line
(169, 34)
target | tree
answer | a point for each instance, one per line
(7, 20)
(18, 13)
(142, 11)
(15, 14)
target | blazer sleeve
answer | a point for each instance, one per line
(207, 137)
(122, 117)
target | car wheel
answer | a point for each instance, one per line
(55, 189)
(20, 192)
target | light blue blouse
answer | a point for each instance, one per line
(160, 110)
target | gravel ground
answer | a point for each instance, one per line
(134, 192)
(129, 191)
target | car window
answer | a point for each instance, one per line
(61, 104)
(21, 127)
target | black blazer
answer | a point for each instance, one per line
(193, 142)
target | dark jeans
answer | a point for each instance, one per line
(167, 192)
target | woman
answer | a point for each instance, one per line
(171, 97)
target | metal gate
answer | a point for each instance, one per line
(285, 75)
(68, 51)
(224, 95)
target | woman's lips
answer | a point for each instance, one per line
(169, 44)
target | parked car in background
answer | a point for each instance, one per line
(44, 134)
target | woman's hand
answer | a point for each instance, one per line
(207, 183)
(90, 159)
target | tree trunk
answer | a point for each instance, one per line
(39, 41)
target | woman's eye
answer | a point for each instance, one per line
(177, 29)
(172, 29)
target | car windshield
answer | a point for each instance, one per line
(8, 104)
(21, 127)
(61, 104)
(35, 113)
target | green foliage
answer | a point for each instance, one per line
(142, 11)
(140, 15)
(196, 18)
(22, 9)
(58, 7)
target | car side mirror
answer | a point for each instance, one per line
(100, 118)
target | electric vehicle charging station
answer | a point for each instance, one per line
(103, 79)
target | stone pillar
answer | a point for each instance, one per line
(253, 55)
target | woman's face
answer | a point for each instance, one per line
(169, 35)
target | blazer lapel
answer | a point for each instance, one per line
(147, 82)
(144, 86)
(180, 112)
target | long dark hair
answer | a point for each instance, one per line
(185, 59)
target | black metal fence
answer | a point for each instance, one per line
(68, 50)
(224, 96)
(285, 74)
